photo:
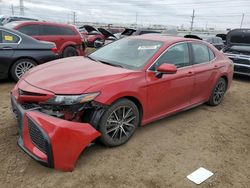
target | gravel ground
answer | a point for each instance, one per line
(160, 154)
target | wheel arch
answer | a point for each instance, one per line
(226, 79)
(137, 103)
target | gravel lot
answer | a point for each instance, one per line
(160, 154)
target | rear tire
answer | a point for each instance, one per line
(119, 123)
(69, 52)
(20, 67)
(218, 92)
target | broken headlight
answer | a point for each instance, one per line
(72, 99)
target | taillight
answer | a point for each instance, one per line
(54, 50)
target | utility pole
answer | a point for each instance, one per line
(12, 9)
(242, 19)
(21, 7)
(74, 18)
(192, 21)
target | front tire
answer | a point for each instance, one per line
(119, 123)
(218, 92)
(20, 67)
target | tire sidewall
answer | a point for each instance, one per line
(212, 99)
(69, 50)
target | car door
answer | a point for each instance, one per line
(8, 44)
(171, 92)
(204, 71)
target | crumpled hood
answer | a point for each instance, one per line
(74, 75)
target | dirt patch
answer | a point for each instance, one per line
(160, 154)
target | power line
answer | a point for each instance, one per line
(242, 19)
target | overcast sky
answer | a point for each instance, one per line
(208, 13)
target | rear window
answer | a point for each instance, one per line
(67, 31)
(31, 30)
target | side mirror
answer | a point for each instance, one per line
(165, 69)
(98, 44)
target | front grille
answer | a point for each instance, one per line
(37, 136)
(241, 69)
(240, 61)
(28, 106)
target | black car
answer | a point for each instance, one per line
(238, 50)
(133, 32)
(19, 53)
(217, 42)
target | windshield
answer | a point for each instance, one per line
(128, 52)
(241, 38)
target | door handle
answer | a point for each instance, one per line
(190, 73)
(7, 48)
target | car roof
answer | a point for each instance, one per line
(18, 16)
(18, 23)
(164, 38)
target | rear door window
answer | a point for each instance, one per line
(31, 30)
(200, 53)
(10, 38)
(211, 54)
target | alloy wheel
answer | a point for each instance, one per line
(219, 92)
(121, 123)
(22, 68)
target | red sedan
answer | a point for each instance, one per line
(63, 106)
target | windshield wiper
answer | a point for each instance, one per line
(104, 62)
(91, 58)
(107, 63)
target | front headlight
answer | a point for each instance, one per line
(72, 99)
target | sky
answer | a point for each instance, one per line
(218, 14)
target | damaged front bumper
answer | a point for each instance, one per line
(53, 142)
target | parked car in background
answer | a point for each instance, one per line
(4, 19)
(216, 41)
(130, 82)
(19, 53)
(223, 36)
(67, 38)
(193, 37)
(238, 50)
(134, 32)
(91, 35)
